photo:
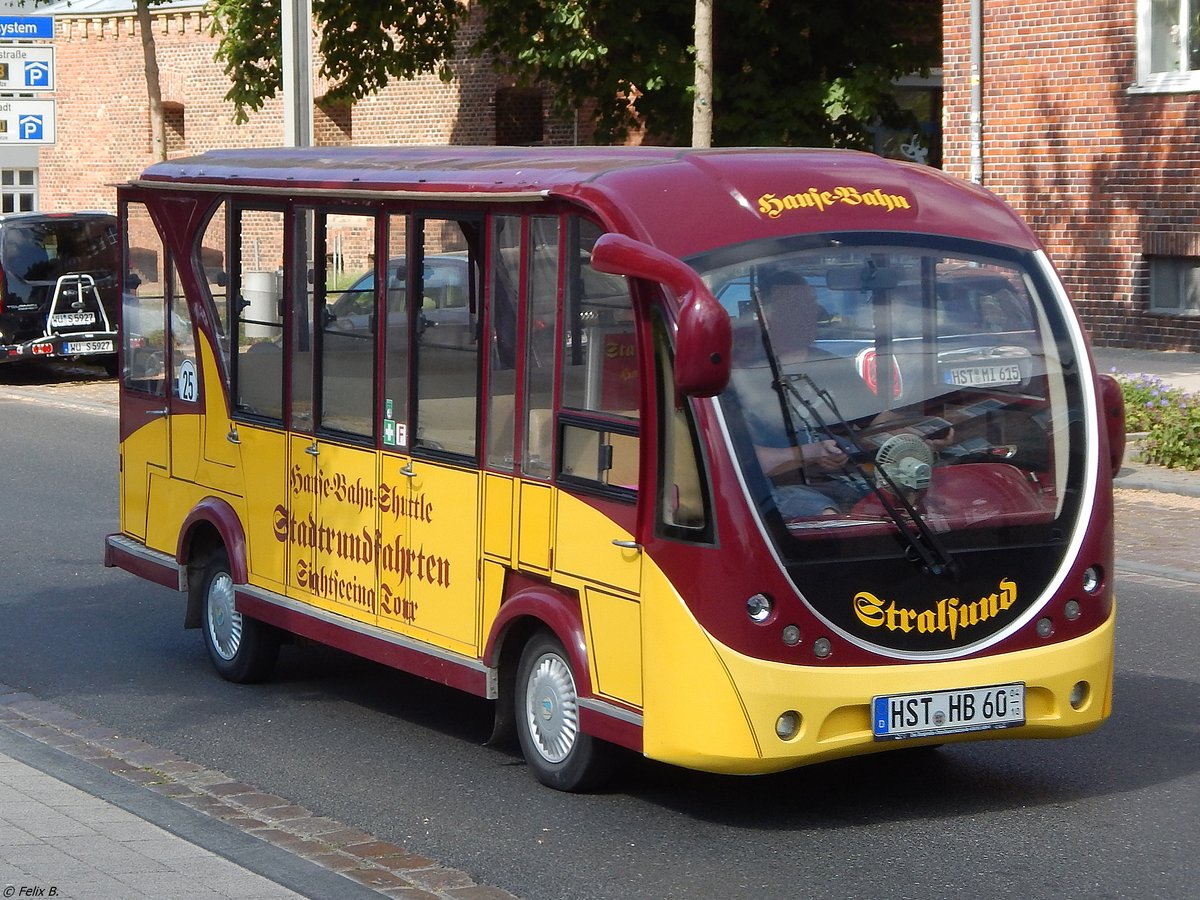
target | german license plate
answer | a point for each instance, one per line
(60, 320)
(79, 348)
(984, 376)
(898, 716)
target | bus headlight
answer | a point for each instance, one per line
(758, 608)
(1092, 580)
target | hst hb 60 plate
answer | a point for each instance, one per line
(900, 716)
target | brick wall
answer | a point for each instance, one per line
(103, 116)
(1104, 176)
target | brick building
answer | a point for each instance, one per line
(103, 131)
(1090, 119)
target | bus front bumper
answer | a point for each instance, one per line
(834, 705)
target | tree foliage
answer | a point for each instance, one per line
(785, 71)
(363, 45)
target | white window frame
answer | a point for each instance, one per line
(16, 190)
(1149, 82)
(1181, 270)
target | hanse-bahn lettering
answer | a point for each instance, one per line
(774, 206)
(388, 498)
(949, 614)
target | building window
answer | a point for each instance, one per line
(519, 117)
(1168, 45)
(1175, 285)
(18, 190)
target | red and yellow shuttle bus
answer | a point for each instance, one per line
(740, 459)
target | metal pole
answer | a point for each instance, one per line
(296, 25)
(976, 115)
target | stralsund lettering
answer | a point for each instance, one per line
(773, 206)
(948, 615)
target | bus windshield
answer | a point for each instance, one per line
(876, 382)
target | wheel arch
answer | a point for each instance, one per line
(211, 524)
(528, 607)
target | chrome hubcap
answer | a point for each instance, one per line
(552, 708)
(224, 621)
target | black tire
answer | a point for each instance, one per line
(547, 712)
(242, 649)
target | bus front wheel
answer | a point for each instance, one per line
(547, 706)
(241, 649)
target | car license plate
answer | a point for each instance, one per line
(60, 320)
(984, 376)
(78, 348)
(899, 716)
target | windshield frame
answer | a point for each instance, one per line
(824, 550)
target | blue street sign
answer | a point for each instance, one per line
(26, 28)
(37, 75)
(30, 128)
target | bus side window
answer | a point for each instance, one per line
(395, 339)
(502, 357)
(348, 323)
(683, 497)
(211, 251)
(541, 325)
(258, 385)
(447, 339)
(600, 371)
(143, 306)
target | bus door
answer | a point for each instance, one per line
(433, 532)
(144, 411)
(333, 491)
(598, 465)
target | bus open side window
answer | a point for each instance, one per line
(144, 305)
(600, 381)
(684, 502)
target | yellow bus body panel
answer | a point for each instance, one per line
(694, 716)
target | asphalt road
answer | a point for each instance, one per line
(1112, 814)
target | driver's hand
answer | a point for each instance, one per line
(825, 455)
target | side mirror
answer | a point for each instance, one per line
(704, 333)
(1112, 416)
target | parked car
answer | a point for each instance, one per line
(445, 301)
(58, 286)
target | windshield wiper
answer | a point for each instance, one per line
(928, 547)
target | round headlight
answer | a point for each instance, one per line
(1092, 579)
(758, 608)
(822, 647)
(791, 635)
(787, 726)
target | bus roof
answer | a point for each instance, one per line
(684, 201)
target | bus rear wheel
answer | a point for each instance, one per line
(547, 707)
(242, 650)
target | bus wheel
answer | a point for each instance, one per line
(547, 707)
(242, 649)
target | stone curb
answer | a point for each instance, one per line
(388, 868)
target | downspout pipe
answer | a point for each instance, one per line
(976, 112)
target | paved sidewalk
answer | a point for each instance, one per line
(89, 815)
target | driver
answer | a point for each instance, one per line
(807, 470)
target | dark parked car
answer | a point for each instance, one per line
(58, 286)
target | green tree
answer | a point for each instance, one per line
(784, 71)
(363, 44)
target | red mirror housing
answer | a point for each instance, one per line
(1112, 412)
(704, 333)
